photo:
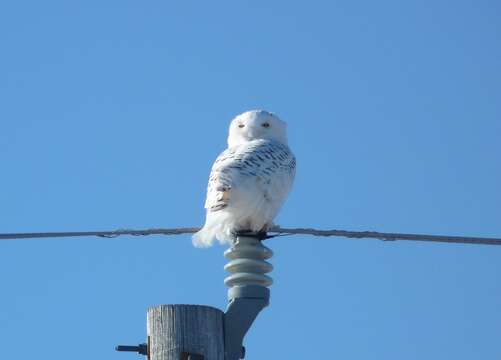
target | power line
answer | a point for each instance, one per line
(392, 236)
(104, 234)
(278, 231)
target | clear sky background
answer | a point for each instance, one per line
(112, 112)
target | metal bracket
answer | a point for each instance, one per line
(190, 356)
(238, 319)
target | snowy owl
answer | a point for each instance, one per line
(250, 180)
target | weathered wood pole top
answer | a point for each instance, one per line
(191, 329)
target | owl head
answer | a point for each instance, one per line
(254, 125)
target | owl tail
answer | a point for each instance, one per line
(205, 237)
(213, 230)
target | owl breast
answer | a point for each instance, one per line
(247, 187)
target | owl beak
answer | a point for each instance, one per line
(251, 133)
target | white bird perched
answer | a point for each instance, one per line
(250, 180)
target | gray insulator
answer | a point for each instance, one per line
(248, 265)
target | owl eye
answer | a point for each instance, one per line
(265, 125)
(241, 125)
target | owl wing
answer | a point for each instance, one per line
(270, 163)
(221, 180)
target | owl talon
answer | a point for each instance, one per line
(260, 235)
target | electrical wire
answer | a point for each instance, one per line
(275, 231)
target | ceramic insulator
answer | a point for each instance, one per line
(248, 265)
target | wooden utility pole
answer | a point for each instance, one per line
(185, 332)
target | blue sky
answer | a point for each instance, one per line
(112, 113)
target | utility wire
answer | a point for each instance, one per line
(104, 234)
(276, 231)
